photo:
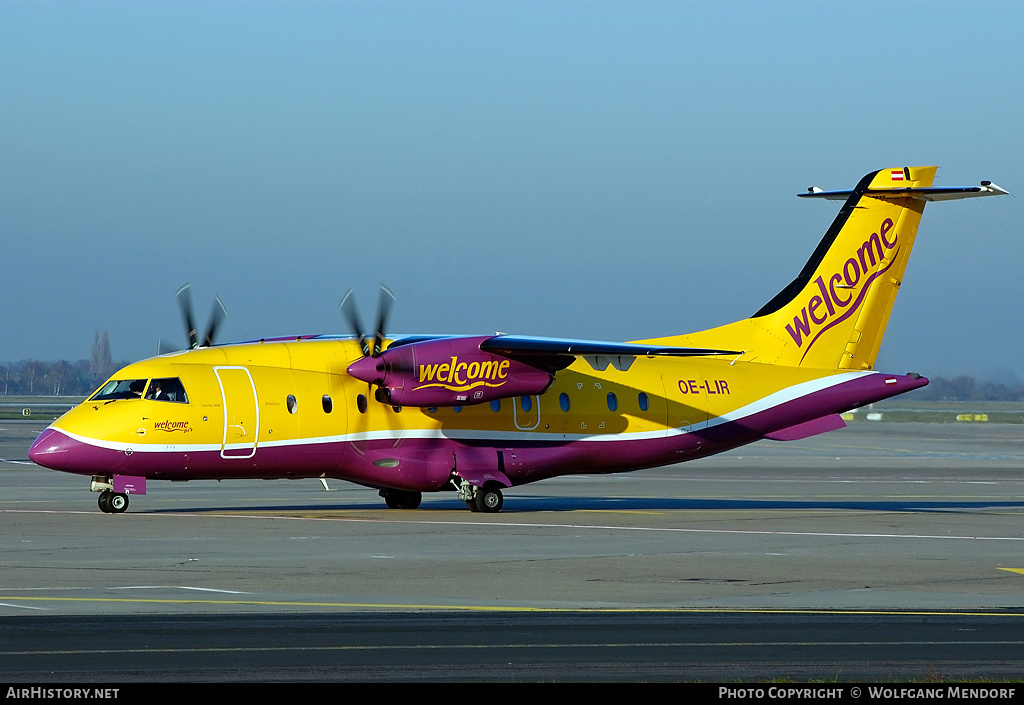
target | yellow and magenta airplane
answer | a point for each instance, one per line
(478, 414)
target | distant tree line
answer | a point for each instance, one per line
(967, 388)
(79, 378)
(61, 378)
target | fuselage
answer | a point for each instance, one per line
(290, 409)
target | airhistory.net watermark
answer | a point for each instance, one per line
(41, 693)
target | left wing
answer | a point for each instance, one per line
(453, 371)
(525, 346)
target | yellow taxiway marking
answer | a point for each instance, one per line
(500, 608)
(1014, 570)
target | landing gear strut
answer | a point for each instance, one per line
(112, 503)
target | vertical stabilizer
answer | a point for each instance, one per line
(834, 314)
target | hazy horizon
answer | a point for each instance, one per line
(602, 170)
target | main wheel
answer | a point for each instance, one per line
(402, 499)
(488, 499)
(104, 501)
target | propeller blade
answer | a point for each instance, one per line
(163, 348)
(351, 316)
(387, 299)
(185, 302)
(217, 317)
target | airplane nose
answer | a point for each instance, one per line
(51, 449)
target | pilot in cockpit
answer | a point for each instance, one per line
(167, 389)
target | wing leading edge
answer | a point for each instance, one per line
(524, 346)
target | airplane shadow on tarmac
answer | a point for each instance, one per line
(522, 505)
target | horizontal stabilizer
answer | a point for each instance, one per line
(987, 188)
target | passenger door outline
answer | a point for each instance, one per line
(238, 440)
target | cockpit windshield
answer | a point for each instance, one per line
(120, 389)
(164, 389)
(167, 389)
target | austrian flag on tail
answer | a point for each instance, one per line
(896, 175)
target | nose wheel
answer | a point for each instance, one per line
(112, 503)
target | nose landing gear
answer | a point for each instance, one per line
(112, 503)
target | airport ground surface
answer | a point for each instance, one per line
(883, 550)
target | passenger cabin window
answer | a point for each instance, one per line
(120, 389)
(563, 401)
(167, 389)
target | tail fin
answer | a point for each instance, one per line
(834, 314)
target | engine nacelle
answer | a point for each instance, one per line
(448, 372)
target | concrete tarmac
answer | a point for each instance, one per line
(874, 517)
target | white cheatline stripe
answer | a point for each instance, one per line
(764, 404)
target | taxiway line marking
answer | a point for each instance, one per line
(574, 645)
(499, 608)
(538, 525)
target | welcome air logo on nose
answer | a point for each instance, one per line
(463, 376)
(171, 426)
(829, 308)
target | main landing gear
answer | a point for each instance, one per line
(487, 499)
(113, 503)
(401, 499)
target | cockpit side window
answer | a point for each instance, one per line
(167, 389)
(120, 389)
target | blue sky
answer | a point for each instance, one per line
(580, 169)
